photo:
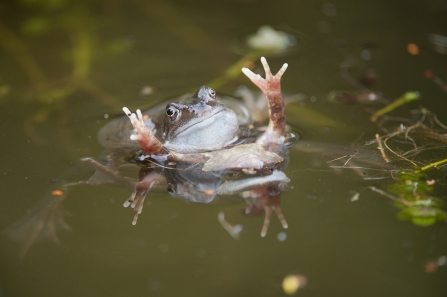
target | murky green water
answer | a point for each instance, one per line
(344, 248)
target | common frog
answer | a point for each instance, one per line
(198, 147)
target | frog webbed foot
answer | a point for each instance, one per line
(147, 141)
(148, 178)
(271, 87)
(271, 83)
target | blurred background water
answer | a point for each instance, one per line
(67, 68)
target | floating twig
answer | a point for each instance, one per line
(394, 198)
(381, 149)
(400, 156)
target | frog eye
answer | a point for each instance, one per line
(212, 93)
(172, 113)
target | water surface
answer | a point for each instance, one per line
(344, 248)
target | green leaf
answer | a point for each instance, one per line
(421, 215)
(411, 175)
(409, 187)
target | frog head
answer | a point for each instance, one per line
(199, 124)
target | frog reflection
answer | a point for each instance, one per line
(194, 146)
(260, 191)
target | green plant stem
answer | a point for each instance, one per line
(435, 164)
(405, 98)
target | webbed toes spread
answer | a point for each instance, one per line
(148, 143)
(265, 84)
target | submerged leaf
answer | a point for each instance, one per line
(410, 188)
(411, 175)
(421, 215)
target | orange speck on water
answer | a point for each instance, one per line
(209, 192)
(57, 192)
(413, 49)
(145, 117)
(431, 267)
(428, 73)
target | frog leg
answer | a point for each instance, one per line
(271, 87)
(147, 141)
(103, 173)
(148, 177)
(233, 187)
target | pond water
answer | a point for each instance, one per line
(69, 66)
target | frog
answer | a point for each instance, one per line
(200, 123)
(198, 147)
(174, 140)
(268, 142)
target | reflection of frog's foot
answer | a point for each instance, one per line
(136, 199)
(268, 214)
(41, 222)
(271, 87)
(143, 135)
(269, 198)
